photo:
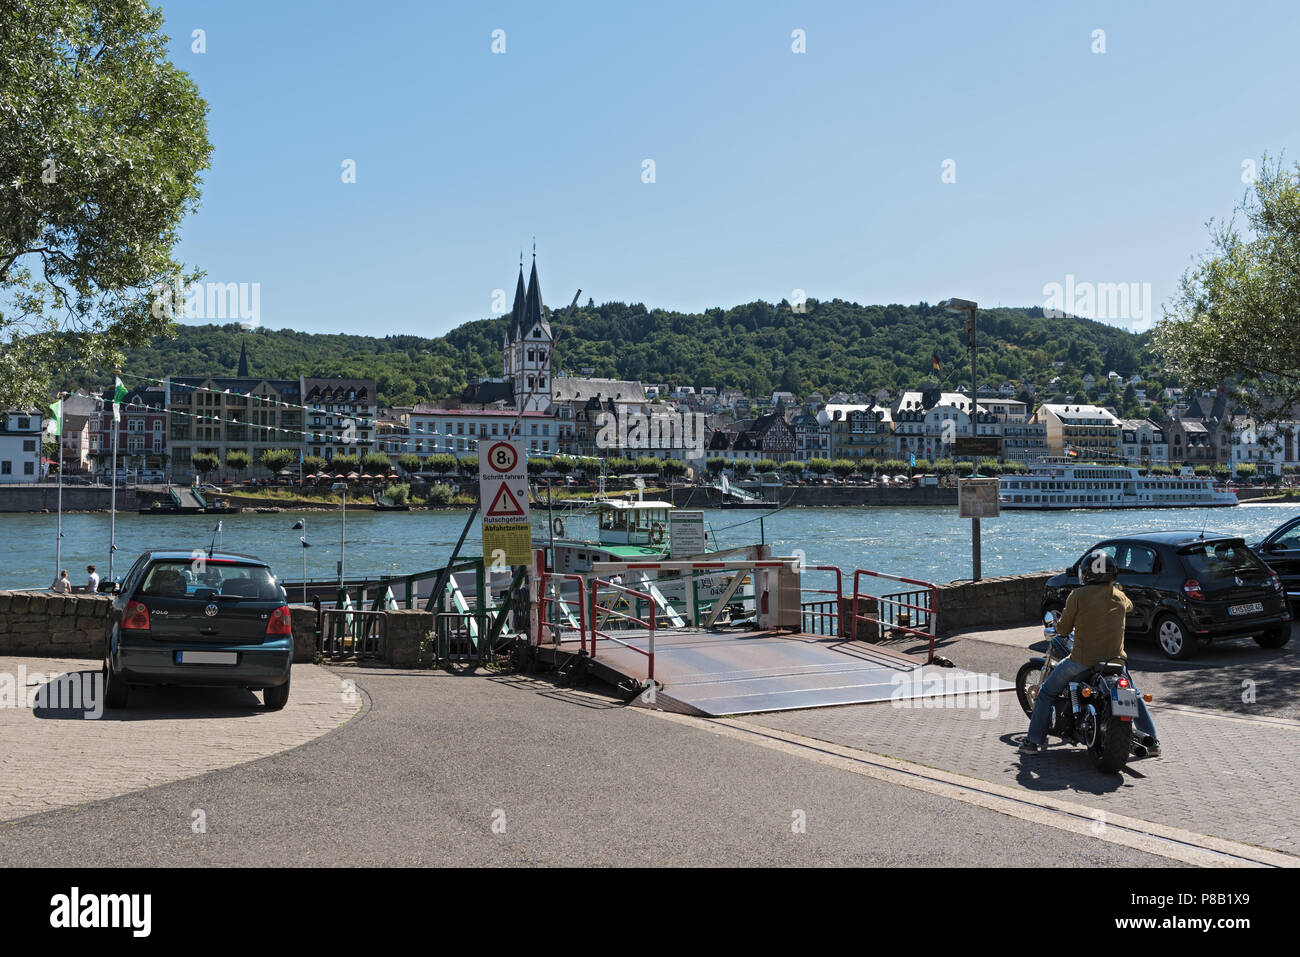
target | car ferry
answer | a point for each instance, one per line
(1077, 485)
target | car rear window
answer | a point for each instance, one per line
(200, 578)
(1213, 560)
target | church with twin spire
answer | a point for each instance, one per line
(526, 349)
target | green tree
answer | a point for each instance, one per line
(409, 463)
(794, 469)
(376, 463)
(819, 466)
(238, 461)
(205, 462)
(275, 459)
(314, 464)
(715, 465)
(104, 142)
(349, 462)
(468, 464)
(943, 467)
(398, 493)
(740, 467)
(674, 468)
(538, 465)
(1234, 317)
(963, 469)
(843, 468)
(443, 464)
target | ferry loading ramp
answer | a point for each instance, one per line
(772, 664)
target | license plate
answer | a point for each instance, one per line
(1123, 702)
(207, 657)
(1253, 608)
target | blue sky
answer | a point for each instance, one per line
(774, 171)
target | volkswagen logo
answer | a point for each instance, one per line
(211, 609)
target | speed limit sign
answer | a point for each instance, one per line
(503, 502)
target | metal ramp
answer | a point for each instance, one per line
(187, 499)
(715, 673)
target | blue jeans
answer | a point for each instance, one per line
(1055, 685)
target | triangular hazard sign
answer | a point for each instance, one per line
(504, 505)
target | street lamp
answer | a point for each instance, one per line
(301, 525)
(968, 306)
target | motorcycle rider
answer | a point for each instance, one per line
(1096, 614)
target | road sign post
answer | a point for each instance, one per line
(503, 501)
(977, 498)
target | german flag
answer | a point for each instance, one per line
(934, 361)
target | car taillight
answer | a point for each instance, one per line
(280, 623)
(136, 616)
(1192, 589)
(1275, 580)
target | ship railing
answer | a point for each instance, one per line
(621, 600)
(910, 612)
(557, 611)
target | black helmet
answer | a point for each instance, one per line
(1097, 568)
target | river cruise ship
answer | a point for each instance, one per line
(1079, 485)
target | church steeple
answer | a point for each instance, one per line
(517, 312)
(243, 360)
(533, 304)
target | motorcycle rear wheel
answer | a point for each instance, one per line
(1111, 753)
(1028, 680)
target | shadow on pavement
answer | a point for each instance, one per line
(78, 696)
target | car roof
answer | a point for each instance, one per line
(187, 554)
(1174, 537)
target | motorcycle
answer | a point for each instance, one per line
(1098, 709)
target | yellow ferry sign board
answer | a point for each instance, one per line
(503, 503)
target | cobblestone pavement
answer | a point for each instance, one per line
(1221, 775)
(55, 758)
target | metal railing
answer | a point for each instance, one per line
(351, 634)
(891, 607)
(629, 597)
(822, 616)
(556, 608)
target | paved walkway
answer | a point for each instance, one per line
(52, 759)
(1225, 773)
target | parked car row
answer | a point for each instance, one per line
(1194, 587)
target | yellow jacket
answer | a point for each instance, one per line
(1096, 614)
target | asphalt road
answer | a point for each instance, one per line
(435, 760)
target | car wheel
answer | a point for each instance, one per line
(277, 697)
(1173, 638)
(1275, 637)
(115, 690)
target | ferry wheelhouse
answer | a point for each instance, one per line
(1051, 485)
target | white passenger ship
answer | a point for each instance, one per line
(1076, 485)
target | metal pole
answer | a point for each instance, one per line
(974, 415)
(112, 508)
(58, 540)
(343, 540)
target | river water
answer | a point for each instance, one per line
(927, 543)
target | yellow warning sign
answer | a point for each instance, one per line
(507, 543)
(505, 505)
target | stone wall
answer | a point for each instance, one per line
(76, 498)
(991, 602)
(44, 624)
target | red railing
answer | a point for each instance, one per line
(556, 604)
(647, 623)
(896, 602)
(816, 609)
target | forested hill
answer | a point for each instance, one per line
(757, 347)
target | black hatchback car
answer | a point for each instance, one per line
(1188, 587)
(1280, 551)
(198, 618)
